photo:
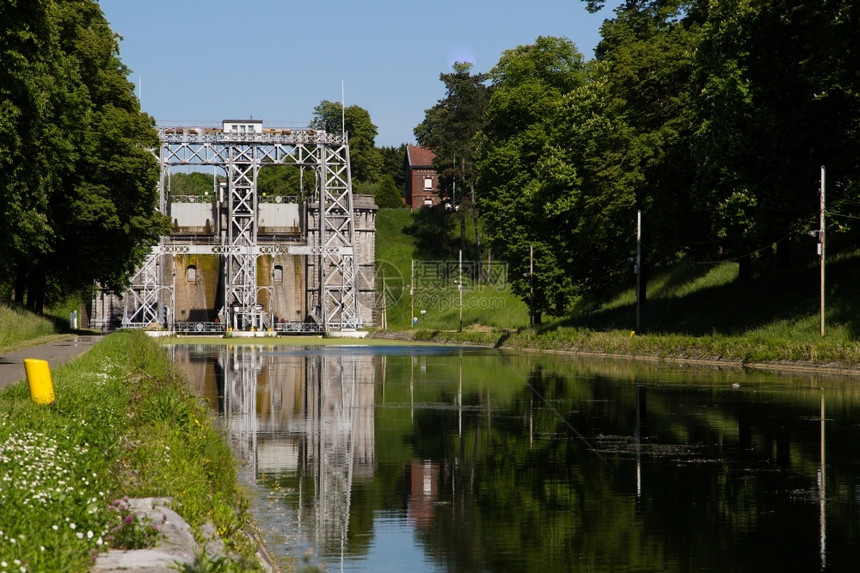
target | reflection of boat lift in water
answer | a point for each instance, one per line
(335, 431)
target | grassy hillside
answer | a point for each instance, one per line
(691, 311)
(702, 300)
(419, 261)
(18, 325)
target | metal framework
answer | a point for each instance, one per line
(148, 301)
(334, 299)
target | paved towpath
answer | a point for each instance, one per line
(56, 352)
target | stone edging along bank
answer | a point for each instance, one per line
(174, 547)
(785, 366)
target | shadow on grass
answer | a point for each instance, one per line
(431, 233)
(735, 308)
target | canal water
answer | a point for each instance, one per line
(425, 459)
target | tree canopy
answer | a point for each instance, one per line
(525, 179)
(78, 187)
(365, 159)
(687, 113)
(449, 129)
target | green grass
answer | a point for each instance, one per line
(420, 260)
(123, 424)
(18, 325)
(692, 311)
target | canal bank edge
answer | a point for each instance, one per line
(454, 338)
(175, 546)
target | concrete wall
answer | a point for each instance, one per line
(364, 217)
(278, 218)
(193, 218)
(285, 277)
(197, 287)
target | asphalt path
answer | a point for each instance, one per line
(55, 353)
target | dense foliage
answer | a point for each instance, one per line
(712, 119)
(77, 180)
(449, 129)
(365, 159)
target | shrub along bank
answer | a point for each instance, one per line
(124, 424)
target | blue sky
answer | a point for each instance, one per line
(199, 62)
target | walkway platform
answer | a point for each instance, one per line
(55, 353)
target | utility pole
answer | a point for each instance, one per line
(384, 303)
(638, 268)
(821, 245)
(531, 286)
(460, 289)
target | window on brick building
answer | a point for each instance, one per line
(428, 183)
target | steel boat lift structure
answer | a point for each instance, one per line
(333, 303)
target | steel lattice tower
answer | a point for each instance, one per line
(331, 249)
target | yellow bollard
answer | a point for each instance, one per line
(39, 379)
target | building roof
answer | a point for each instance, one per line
(417, 156)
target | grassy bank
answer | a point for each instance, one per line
(124, 425)
(18, 325)
(422, 273)
(693, 311)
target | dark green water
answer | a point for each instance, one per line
(440, 459)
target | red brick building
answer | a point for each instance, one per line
(422, 181)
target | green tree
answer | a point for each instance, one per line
(589, 184)
(387, 195)
(194, 183)
(770, 118)
(648, 53)
(393, 159)
(449, 129)
(286, 180)
(525, 178)
(74, 131)
(365, 158)
(37, 99)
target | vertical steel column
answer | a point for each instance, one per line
(147, 294)
(240, 294)
(141, 300)
(338, 288)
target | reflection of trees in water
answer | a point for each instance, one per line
(653, 482)
(482, 457)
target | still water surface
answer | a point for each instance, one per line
(440, 459)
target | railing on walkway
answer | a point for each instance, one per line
(199, 328)
(296, 326)
(284, 327)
